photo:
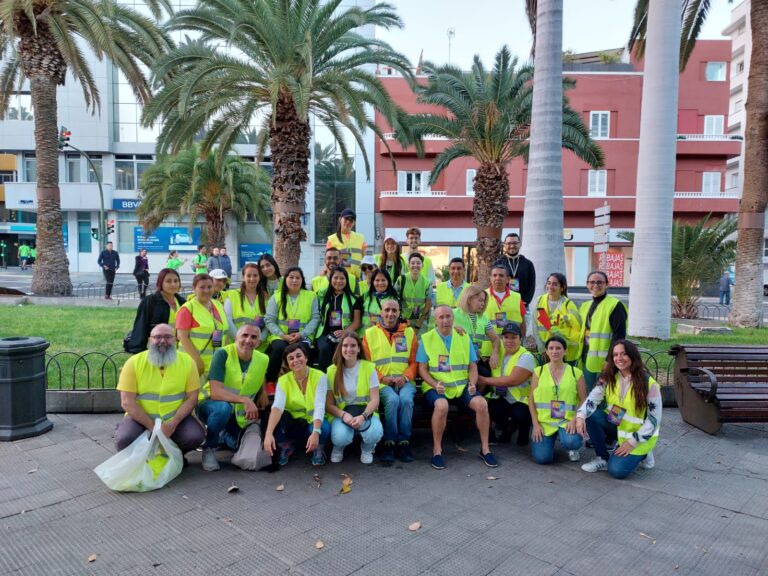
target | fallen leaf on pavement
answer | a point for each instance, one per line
(491, 478)
(415, 526)
(32, 471)
(319, 545)
(280, 487)
(346, 484)
(461, 448)
(233, 488)
(92, 558)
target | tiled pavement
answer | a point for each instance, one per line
(702, 511)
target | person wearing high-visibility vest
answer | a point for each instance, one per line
(298, 409)
(292, 316)
(413, 238)
(367, 266)
(631, 415)
(351, 244)
(160, 382)
(450, 291)
(270, 273)
(352, 400)
(381, 289)
(508, 387)
(339, 311)
(504, 305)
(415, 293)
(448, 368)
(471, 317)
(391, 259)
(391, 346)
(556, 314)
(604, 322)
(557, 389)
(248, 304)
(201, 323)
(233, 396)
(321, 282)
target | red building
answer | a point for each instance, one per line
(608, 96)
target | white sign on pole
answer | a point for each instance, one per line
(602, 228)
(602, 220)
(602, 211)
(600, 248)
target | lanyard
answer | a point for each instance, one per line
(513, 269)
(293, 307)
(499, 301)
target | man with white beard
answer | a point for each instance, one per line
(160, 383)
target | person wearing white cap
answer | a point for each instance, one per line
(367, 266)
(391, 260)
(220, 283)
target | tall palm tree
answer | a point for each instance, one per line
(286, 60)
(543, 220)
(43, 41)
(194, 186)
(488, 117)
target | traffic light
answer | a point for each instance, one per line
(95, 233)
(110, 227)
(64, 136)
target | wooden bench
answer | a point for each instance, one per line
(716, 384)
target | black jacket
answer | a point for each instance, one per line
(152, 310)
(526, 275)
(110, 259)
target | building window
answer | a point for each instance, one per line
(715, 72)
(98, 163)
(335, 182)
(597, 183)
(84, 237)
(710, 183)
(740, 67)
(72, 168)
(7, 176)
(738, 105)
(413, 182)
(471, 173)
(765, 248)
(713, 125)
(734, 180)
(599, 125)
(20, 107)
(30, 168)
(128, 170)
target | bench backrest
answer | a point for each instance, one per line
(730, 364)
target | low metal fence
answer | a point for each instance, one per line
(89, 371)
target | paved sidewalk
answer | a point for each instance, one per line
(702, 511)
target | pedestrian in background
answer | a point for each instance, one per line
(725, 288)
(109, 261)
(141, 272)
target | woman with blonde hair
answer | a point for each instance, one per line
(470, 316)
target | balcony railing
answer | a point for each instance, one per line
(709, 137)
(391, 136)
(728, 193)
(410, 194)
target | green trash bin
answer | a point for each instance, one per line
(22, 388)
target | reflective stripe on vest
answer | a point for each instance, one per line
(570, 331)
(414, 294)
(511, 393)
(302, 310)
(633, 418)
(161, 393)
(510, 306)
(351, 250)
(201, 335)
(455, 374)
(444, 294)
(600, 332)
(371, 312)
(362, 393)
(300, 406)
(346, 317)
(544, 394)
(384, 354)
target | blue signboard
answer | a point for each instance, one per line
(167, 238)
(65, 231)
(251, 252)
(125, 204)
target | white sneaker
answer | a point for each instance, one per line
(210, 463)
(574, 455)
(337, 455)
(649, 461)
(595, 465)
(366, 457)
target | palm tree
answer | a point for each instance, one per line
(288, 59)
(488, 118)
(43, 41)
(194, 186)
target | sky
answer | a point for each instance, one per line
(483, 26)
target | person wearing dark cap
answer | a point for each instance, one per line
(508, 387)
(351, 244)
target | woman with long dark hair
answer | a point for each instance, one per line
(339, 311)
(248, 304)
(631, 416)
(157, 308)
(381, 289)
(141, 272)
(270, 273)
(557, 314)
(352, 400)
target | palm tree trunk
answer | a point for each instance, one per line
(542, 232)
(489, 209)
(289, 138)
(747, 308)
(650, 283)
(51, 274)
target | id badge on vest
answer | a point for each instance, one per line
(401, 345)
(514, 284)
(375, 319)
(443, 363)
(501, 319)
(557, 409)
(258, 321)
(616, 414)
(294, 324)
(345, 255)
(216, 339)
(335, 319)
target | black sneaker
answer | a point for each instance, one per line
(405, 451)
(387, 455)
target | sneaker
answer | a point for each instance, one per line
(366, 457)
(405, 451)
(285, 455)
(387, 455)
(574, 455)
(210, 464)
(489, 459)
(337, 455)
(318, 457)
(595, 465)
(649, 461)
(438, 462)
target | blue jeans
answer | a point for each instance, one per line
(398, 411)
(544, 452)
(220, 423)
(342, 435)
(295, 431)
(725, 297)
(601, 431)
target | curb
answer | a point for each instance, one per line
(83, 401)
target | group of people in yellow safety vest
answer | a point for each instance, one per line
(344, 357)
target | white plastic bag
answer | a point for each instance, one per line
(149, 463)
(251, 454)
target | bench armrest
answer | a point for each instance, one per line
(712, 381)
